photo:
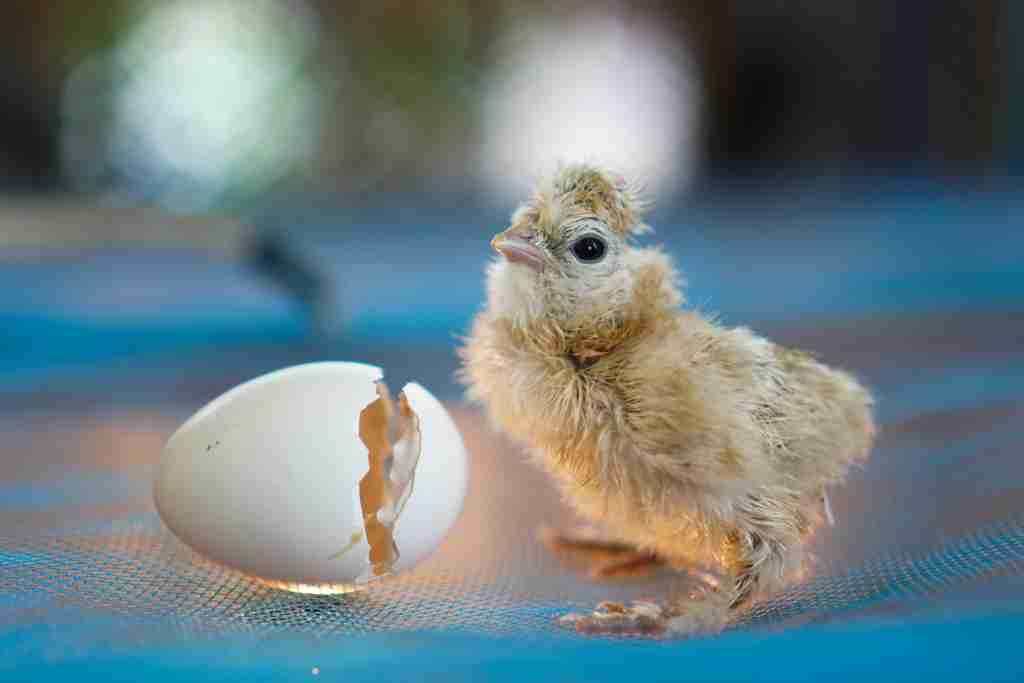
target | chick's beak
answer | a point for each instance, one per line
(518, 250)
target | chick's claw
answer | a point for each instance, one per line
(688, 619)
(640, 618)
(697, 618)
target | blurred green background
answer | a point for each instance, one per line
(203, 106)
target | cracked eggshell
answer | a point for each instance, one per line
(265, 478)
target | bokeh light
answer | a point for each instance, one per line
(200, 101)
(595, 89)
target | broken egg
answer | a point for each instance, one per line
(313, 478)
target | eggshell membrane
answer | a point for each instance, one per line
(265, 478)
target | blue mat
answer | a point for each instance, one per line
(105, 353)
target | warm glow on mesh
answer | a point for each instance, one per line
(592, 90)
(312, 588)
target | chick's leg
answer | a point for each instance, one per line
(603, 559)
(702, 607)
(759, 563)
(703, 611)
(692, 616)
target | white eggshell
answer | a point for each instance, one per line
(265, 478)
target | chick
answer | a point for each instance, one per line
(707, 447)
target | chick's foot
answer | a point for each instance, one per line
(640, 618)
(698, 617)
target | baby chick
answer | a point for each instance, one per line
(705, 446)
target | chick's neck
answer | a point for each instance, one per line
(596, 331)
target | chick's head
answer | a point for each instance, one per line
(568, 248)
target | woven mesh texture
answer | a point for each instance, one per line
(935, 519)
(134, 569)
(934, 516)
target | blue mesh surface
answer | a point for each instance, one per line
(921, 579)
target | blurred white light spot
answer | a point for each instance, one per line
(594, 90)
(205, 97)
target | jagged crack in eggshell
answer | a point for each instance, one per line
(440, 484)
(265, 478)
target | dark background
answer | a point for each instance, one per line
(840, 89)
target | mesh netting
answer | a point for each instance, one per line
(136, 569)
(89, 543)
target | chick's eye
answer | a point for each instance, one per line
(589, 249)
